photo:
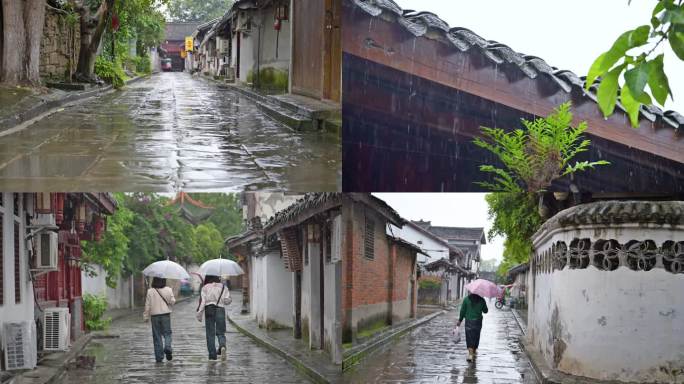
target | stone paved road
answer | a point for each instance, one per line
(168, 132)
(130, 358)
(429, 355)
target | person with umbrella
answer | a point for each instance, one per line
(158, 306)
(472, 308)
(159, 303)
(213, 299)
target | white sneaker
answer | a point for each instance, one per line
(470, 357)
(224, 355)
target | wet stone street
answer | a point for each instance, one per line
(428, 354)
(168, 132)
(130, 357)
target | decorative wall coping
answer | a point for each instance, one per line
(608, 254)
(664, 213)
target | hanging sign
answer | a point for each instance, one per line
(188, 44)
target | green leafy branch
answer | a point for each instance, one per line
(640, 69)
(535, 156)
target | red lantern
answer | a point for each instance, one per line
(115, 22)
(277, 25)
(59, 208)
(99, 228)
(80, 217)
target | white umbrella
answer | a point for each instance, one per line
(220, 267)
(166, 269)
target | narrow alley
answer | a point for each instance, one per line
(429, 354)
(168, 132)
(129, 358)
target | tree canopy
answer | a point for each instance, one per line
(145, 229)
(198, 10)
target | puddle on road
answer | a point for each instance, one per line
(173, 131)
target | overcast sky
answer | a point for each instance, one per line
(567, 34)
(447, 209)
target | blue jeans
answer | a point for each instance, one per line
(161, 328)
(215, 323)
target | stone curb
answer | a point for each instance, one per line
(297, 363)
(44, 108)
(518, 320)
(357, 356)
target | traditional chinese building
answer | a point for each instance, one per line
(40, 252)
(334, 253)
(417, 91)
(174, 43)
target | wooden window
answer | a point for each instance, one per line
(369, 239)
(17, 264)
(2, 261)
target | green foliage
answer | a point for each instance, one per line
(488, 265)
(429, 284)
(110, 72)
(139, 20)
(537, 155)
(198, 10)
(143, 64)
(145, 229)
(631, 55)
(94, 307)
(270, 79)
(515, 217)
(111, 252)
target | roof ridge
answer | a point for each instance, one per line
(419, 24)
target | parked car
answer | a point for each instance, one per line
(166, 64)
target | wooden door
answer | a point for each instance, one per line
(332, 73)
(308, 19)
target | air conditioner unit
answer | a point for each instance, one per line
(42, 219)
(19, 344)
(56, 329)
(46, 251)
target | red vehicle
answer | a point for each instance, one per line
(166, 64)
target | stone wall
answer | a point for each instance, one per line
(60, 43)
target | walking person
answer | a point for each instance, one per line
(213, 299)
(472, 308)
(158, 306)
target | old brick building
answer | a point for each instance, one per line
(348, 273)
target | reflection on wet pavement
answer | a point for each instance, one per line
(130, 358)
(169, 132)
(429, 355)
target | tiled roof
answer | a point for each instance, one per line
(179, 31)
(448, 266)
(520, 268)
(454, 233)
(617, 212)
(312, 201)
(431, 26)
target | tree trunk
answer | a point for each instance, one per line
(14, 42)
(22, 29)
(34, 16)
(92, 29)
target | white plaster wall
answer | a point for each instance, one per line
(118, 297)
(279, 283)
(10, 311)
(268, 42)
(306, 297)
(247, 52)
(268, 203)
(259, 289)
(614, 325)
(433, 248)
